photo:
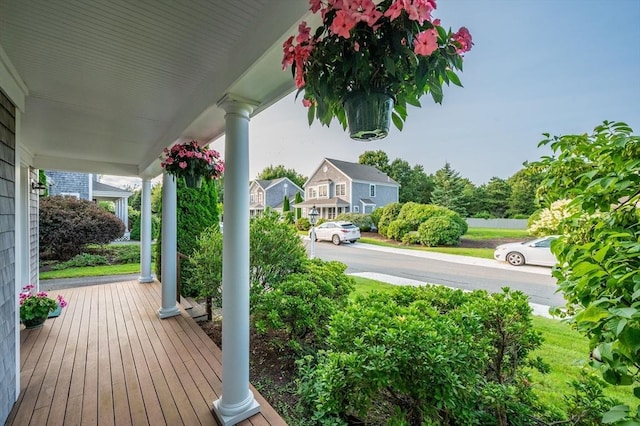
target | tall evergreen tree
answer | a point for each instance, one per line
(285, 204)
(448, 190)
(497, 193)
(298, 199)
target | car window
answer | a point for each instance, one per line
(348, 225)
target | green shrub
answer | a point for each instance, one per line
(206, 265)
(125, 253)
(389, 214)
(361, 220)
(134, 229)
(439, 231)
(276, 251)
(428, 355)
(483, 215)
(520, 216)
(376, 214)
(398, 229)
(300, 307)
(412, 215)
(288, 217)
(68, 225)
(81, 260)
(303, 224)
(411, 238)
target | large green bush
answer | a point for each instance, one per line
(439, 231)
(276, 251)
(197, 209)
(68, 225)
(300, 307)
(389, 214)
(412, 215)
(429, 355)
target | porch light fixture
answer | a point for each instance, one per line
(313, 217)
(38, 188)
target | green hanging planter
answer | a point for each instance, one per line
(368, 115)
(192, 181)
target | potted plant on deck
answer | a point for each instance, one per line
(36, 307)
(193, 163)
(376, 55)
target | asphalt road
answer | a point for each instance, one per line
(453, 271)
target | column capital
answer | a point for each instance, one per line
(234, 104)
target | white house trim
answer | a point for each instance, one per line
(145, 233)
(169, 247)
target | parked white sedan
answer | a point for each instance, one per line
(534, 252)
(337, 232)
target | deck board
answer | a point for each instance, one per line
(108, 359)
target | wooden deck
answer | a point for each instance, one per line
(109, 360)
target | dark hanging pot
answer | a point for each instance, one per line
(193, 181)
(368, 115)
(34, 322)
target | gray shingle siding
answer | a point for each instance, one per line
(69, 182)
(383, 195)
(7, 258)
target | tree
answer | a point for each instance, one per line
(197, 209)
(276, 172)
(448, 190)
(524, 184)
(415, 185)
(497, 193)
(377, 159)
(298, 199)
(68, 225)
(285, 204)
(599, 255)
(135, 200)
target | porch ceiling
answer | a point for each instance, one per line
(111, 83)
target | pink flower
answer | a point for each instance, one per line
(342, 24)
(182, 164)
(306, 102)
(41, 294)
(463, 37)
(395, 10)
(29, 287)
(288, 49)
(426, 42)
(356, 46)
(315, 5)
(304, 32)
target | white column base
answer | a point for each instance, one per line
(168, 312)
(229, 416)
(148, 279)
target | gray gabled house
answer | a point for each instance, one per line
(265, 194)
(342, 187)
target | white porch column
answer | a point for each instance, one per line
(169, 247)
(125, 215)
(237, 401)
(145, 233)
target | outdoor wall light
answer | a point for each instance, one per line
(38, 188)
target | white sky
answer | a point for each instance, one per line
(556, 66)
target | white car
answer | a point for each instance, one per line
(337, 232)
(534, 252)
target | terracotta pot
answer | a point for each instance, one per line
(368, 115)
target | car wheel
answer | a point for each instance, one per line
(515, 258)
(336, 239)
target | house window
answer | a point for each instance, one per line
(71, 194)
(323, 191)
(253, 198)
(260, 199)
(312, 193)
(341, 189)
(372, 190)
(332, 213)
(356, 209)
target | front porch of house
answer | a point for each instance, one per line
(109, 359)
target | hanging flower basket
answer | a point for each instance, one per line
(192, 181)
(390, 46)
(368, 116)
(193, 163)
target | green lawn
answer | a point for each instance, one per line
(92, 271)
(491, 233)
(563, 349)
(485, 253)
